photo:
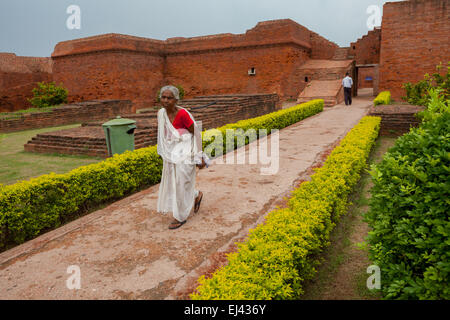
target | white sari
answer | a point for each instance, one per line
(180, 154)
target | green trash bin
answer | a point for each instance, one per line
(119, 135)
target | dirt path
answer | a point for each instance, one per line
(125, 251)
(343, 273)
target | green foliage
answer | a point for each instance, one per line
(383, 97)
(48, 95)
(436, 106)
(419, 93)
(180, 91)
(282, 252)
(409, 212)
(29, 207)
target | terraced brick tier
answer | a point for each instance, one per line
(397, 119)
(89, 139)
(328, 90)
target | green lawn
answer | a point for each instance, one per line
(16, 164)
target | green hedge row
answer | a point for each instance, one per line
(242, 135)
(383, 97)
(409, 213)
(29, 208)
(282, 252)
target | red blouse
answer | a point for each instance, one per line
(182, 121)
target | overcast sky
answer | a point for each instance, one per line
(34, 27)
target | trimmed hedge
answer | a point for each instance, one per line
(29, 208)
(282, 252)
(382, 98)
(409, 214)
(275, 120)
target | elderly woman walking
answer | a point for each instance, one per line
(180, 146)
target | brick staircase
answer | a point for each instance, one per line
(396, 120)
(328, 90)
(325, 78)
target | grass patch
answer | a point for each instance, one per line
(19, 113)
(16, 164)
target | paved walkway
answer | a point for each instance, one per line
(125, 251)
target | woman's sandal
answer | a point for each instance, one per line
(197, 204)
(176, 225)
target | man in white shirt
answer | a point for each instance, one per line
(347, 83)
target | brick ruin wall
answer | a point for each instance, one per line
(219, 64)
(18, 76)
(117, 66)
(67, 114)
(114, 66)
(110, 66)
(321, 48)
(396, 120)
(90, 138)
(367, 52)
(367, 49)
(363, 75)
(414, 39)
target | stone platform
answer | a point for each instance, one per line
(331, 91)
(396, 119)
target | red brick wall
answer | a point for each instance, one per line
(219, 64)
(414, 40)
(367, 49)
(18, 76)
(124, 67)
(90, 138)
(321, 48)
(362, 74)
(111, 75)
(226, 72)
(114, 66)
(110, 67)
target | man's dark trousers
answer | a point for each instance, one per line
(348, 96)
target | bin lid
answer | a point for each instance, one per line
(119, 122)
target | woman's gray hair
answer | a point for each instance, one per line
(174, 90)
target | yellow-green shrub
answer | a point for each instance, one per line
(281, 253)
(275, 120)
(28, 208)
(383, 97)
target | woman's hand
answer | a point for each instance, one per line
(201, 166)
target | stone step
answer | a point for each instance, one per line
(328, 90)
(341, 54)
(42, 148)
